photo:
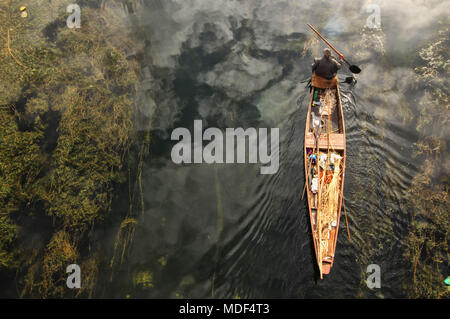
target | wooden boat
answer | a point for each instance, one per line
(325, 176)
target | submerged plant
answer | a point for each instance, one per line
(66, 126)
(427, 245)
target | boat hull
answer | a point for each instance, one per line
(324, 184)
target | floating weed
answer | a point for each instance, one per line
(144, 279)
(162, 261)
(76, 90)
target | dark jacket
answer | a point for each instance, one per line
(326, 68)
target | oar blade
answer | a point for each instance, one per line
(354, 69)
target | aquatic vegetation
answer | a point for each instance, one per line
(124, 238)
(66, 125)
(60, 253)
(21, 162)
(91, 269)
(8, 232)
(75, 123)
(144, 279)
(429, 238)
(162, 260)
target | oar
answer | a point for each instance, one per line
(353, 68)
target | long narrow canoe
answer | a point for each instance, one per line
(325, 171)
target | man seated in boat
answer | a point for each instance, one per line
(325, 71)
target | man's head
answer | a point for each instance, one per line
(327, 52)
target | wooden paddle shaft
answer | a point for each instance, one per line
(329, 44)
